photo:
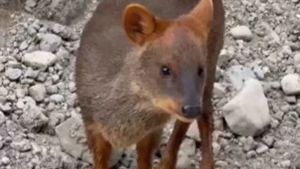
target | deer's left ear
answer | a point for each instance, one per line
(140, 24)
(204, 13)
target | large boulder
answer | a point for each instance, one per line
(247, 113)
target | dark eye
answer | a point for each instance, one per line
(165, 71)
(200, 71)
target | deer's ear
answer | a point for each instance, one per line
(204, 13)
(140, 25)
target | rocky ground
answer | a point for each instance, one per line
(257, 117)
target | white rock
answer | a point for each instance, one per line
(21, 145)
(39, 59)
(297, 59)
(69, 143)
(5, 160)
(33, 118)
(285, 164)
(20, 93)
(188, 147)
(13, 73)
(238, 74)
(57, 98)
(262, 149)
(30, 3)
(241, 32)
(38, 92)
(291, 84)
(30, 73)
(219, 90)
(72, 86)
(50, 42)
(193, 131)
(3, 91)
(2, 118)
(247, 113)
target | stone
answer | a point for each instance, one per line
(247, 114)
(285, 164)
(13, 73)
(219, 90)
(2, 67)
(242, 33)
(224, 57)
(42, 76)
(71, 100)
(193, 131)
(3, 91)
(55, 78)
(259, 73)
(50, 42)
(57, 98)
(53, 89)
(5, 160)
(221, 163)
(20, 93)
(21, 145)
(249, 144)
(188, 147)
(30, 73)
(291, 99)
(33, 118)
(251, 154)
(269, 141)
(6, 107)
(39, 59)
(262, 149)
(216, 148)
(30, 3)
(297, 59)
(38, 92)
(290, 84)
(184, 162)
(238, 74)
(72, 86)
(2, 118)
(68, 142)
(24, 45)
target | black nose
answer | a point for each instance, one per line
(190, 111)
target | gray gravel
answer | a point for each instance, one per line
(40, 124)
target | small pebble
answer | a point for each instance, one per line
(13, 73)
(5, 160)
(286, 163)
(262, 149)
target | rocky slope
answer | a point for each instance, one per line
(257, 117)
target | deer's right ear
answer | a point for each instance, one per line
(204, 13)
(139, 24)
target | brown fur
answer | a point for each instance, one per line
(124, 101)
(215, 44)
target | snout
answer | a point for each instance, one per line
(191, 111)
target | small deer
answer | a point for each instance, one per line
(160, 69)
